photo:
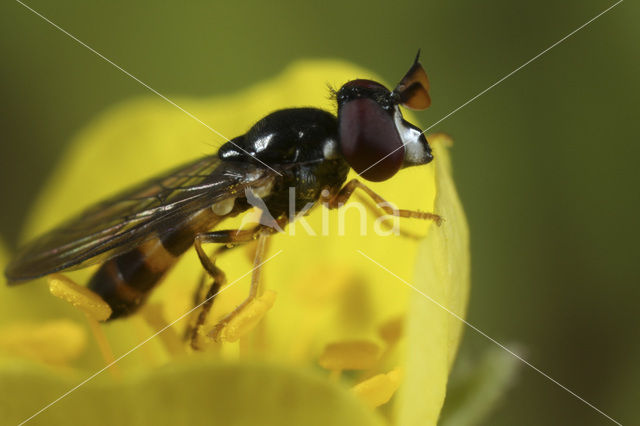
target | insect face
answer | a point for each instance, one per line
(374, 138)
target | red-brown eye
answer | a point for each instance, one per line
(369, 140)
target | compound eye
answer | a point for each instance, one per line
(369, 140)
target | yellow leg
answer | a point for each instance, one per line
(255, 290)
(345, 193)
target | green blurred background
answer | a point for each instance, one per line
(545, 162)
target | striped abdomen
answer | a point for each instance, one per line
(126, 281)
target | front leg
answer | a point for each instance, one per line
(345, 193)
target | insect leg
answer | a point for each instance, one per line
(255, 289)
(205, 299)
(91, 304)
(231, 236)
(375, 209)
(345, 193)
(197, 294)
(219, 279)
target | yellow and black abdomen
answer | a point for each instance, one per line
(126, 281)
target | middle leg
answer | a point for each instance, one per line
(255, 290)
(227, 237)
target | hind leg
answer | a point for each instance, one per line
(95, 309)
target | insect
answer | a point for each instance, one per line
(138, 235)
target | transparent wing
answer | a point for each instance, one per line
(126, 220)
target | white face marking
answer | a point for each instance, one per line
(223, 207)
(414, 152)
(330, 149)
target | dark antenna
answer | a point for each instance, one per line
(417, 57)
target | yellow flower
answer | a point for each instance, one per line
(334, 335)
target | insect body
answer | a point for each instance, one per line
(138, 235)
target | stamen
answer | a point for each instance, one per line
(350, 355)
(391, 330)
(379, 389)
(103, 345)
(141, 330)
(153, 315)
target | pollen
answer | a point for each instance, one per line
(80, 297)
(350, 355)
(247, 318)
(378, 389)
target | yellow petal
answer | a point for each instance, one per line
(442, 273)
(194, 393)
(52, 342)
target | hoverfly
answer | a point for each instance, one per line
(138, 235)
